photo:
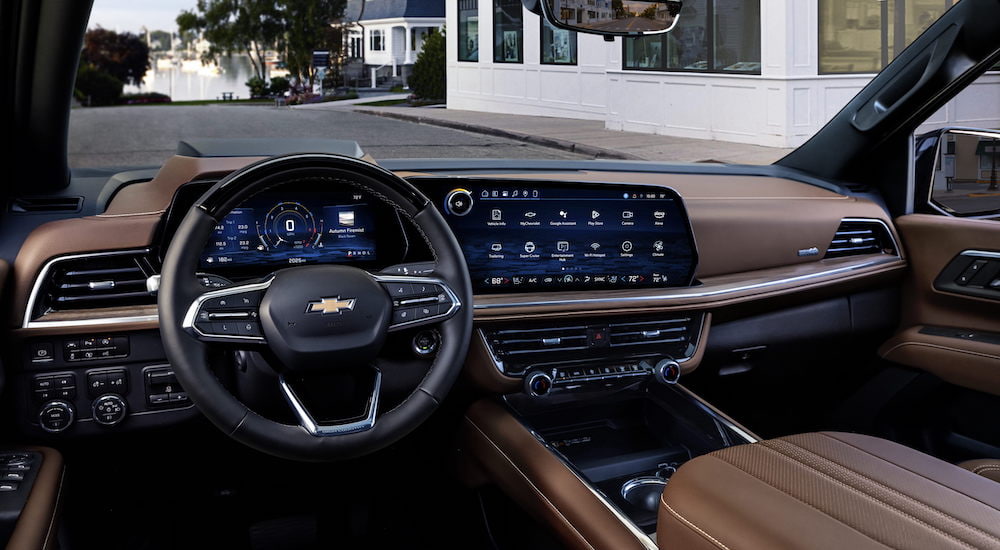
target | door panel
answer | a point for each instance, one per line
(967, 357)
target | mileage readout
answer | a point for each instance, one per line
(293, 232)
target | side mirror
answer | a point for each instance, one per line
(965, 180)
(609, 17)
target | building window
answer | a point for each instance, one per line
(558, 45)
(718, 36)
(354, 46)
(468, 30)
(508, 31)
(861, 36)
(376, 40)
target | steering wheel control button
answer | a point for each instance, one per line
(56, 416)
(403, 315)
(398, 290)
(109, 410)
(458, 202)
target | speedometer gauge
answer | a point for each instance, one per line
(289, 225)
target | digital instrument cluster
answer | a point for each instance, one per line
(521, 236)
(276, 229)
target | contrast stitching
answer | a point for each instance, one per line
(901, 467)
(986, 468)
(871, 498)
(895, 492)
(530, 483)
(697, 529)
(799, 500)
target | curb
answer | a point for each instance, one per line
(553, 143)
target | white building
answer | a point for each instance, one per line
(386, 35)
(768, 72)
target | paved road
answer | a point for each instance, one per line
(148, 135)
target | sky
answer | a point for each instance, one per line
(131, 15)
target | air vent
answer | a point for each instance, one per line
(517, 348)
(857, 237)
(95, 281)
(45, 205)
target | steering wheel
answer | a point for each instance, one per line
(314, 319)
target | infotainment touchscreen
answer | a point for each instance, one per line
(521, 236)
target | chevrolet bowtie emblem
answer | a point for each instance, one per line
(330, 305)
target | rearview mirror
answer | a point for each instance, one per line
(612, 17)
(966, 179)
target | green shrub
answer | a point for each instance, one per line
(258, 87)
(146, 97)
(279, 85)
(428, 78)
(96, 87)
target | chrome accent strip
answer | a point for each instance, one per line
(323, 430)
(192, 313)
(716, 414)
(40, 279)
(455, 302)
(705, 294)
(980, 253)
(639, 482)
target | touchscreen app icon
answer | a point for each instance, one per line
(594, 214)
(659, 214)
(496, 215)
(627, 214)
(529, 247)
(562, 246)
(496, 247)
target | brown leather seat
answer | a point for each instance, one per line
(986, 467)
(827, 491)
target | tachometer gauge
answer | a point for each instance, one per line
(289, 225)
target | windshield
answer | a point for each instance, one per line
(498, 82)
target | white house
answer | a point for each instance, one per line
(386, 35)
(768, 72)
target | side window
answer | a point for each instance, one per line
(966, 180)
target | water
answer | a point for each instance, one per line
(192, 81)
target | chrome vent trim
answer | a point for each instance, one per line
(859, 236)
(91, 281)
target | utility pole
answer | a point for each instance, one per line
(993, 165)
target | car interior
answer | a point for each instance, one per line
(270, 343)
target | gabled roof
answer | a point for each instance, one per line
(388, 9)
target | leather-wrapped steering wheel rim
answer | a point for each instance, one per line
(188, 354)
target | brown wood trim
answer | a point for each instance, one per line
(36, 526)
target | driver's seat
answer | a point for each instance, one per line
(827, 491)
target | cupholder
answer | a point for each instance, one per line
(644, 492)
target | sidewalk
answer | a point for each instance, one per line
(345, 103)
(587, 137)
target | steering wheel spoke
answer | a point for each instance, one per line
(230, 314)
(365, 421)
(418, 301)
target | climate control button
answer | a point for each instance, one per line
(56, 416)
(109, 409)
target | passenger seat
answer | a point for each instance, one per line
(986, 467)
(828, 491)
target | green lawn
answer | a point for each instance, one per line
(383, 103)
(203, 102)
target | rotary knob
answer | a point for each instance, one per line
(56, 416)
(109, 409)
(667, 371)
(538, 384)
(458, 202)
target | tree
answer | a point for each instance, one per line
(96, 87)
(649, 13)
(124, 56)
(233, 27)
(428, 80)
(307, 28)
(296, 27)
